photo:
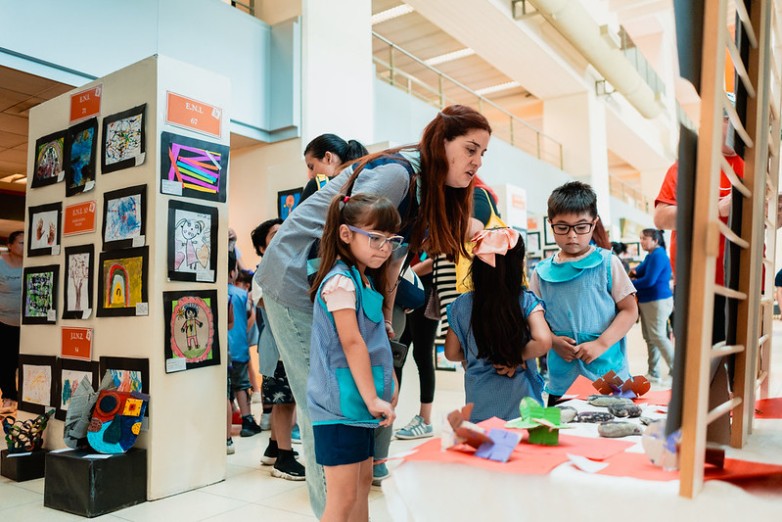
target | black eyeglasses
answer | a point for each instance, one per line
(377, 241)
(561, 229)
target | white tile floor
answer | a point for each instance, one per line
(251, 493)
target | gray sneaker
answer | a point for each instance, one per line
(415, 429)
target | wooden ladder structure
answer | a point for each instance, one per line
(759, 74)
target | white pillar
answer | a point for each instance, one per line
(337, 71)
(578, 121)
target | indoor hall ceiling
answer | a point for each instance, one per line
(19, 92)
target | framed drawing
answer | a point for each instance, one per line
(548, 252)
(124, 140)
(68, 374)
(133, 372)
(193, 168)
(192, 242)
(192, 339)
(533, 243)
(37, 384)
(287, 200)
(634, 249)
(43, 230)
(79, 272)
(440, 362)
(49, 160)
(122, 283)
(39, 294)
(81, 143)
(548, 234)
(124, 218)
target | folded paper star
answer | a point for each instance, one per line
(543, 424)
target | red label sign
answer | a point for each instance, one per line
(86, 103)
(76, 343)
(193, 114)
(79, 219)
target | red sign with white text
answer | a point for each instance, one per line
(79, 219)
(86, 103)
(76, 343)
(193, 114)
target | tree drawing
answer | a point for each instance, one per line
(78, 272)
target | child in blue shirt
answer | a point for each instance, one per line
(351, 387)
(590, 301)
(498, 329)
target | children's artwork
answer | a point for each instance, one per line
(548, 234)
(49, 160)
(542, 423)
(192, 340)
(79, 269)
(39, 299)
(37, 384)
(70, 373)
(532, 243)
(192, 242)
(634, 249)
(134, 372)
(441, 363)
(124, 143)
(43, 232)
(287, 200)
(80, 150)
(122, 283)
(193, 168)
(124, 218)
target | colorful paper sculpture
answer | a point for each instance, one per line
(496, 445)
(543, 424)
(611, 384)
(24, 436)
(116, 420)
(500, 447)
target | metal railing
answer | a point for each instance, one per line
(641, 64)
(248, 6)
(440, 90)
(630, 195)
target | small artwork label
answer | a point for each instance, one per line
(142, 308)
(56, 250)
(205, 275)
(51, 315)
(171, 187)
(85, 314)
(176, 364)
(139, 241)
(89, 186)
(140, 158)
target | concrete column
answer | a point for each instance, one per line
(337, 71)
(579, 122)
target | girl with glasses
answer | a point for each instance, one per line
(352, 386)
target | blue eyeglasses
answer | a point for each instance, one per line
(377, 241)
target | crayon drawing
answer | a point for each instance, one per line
(191, 327)
(122, 282)
(49, 159)
(78, 281)
(123, 218)
(123, 140)
(37, 384)
(80, 150)
(192, 244)
(39, 300)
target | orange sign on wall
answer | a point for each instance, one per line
(79, 218)
(76, 343)
(86, 103)
(193, 114)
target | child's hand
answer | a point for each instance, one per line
(590, 351)
(565, 347)
(390, 330)
(382, 410)
(508, 371)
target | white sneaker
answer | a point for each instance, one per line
(415, 429)
(266, 421)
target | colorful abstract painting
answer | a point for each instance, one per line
(39, 294)
(49, 160)
(193, 168)
(191, 329)
(80, 151)
(122, 283)
(79, 269)
(124, 214)
(70, 373)
(123, 140)
(38, 387)
(287, 200)
(192, 242)
(43, 233)
(130, 372)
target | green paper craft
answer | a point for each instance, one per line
(543, 424)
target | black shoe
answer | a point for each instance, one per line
(271, 453)
(287, 467)
(249, 427)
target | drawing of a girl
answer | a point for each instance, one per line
(191, 325)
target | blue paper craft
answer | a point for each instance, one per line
(500, 447)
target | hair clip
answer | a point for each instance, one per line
(346, 199)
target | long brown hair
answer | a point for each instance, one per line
(444, 211)
(359, 210)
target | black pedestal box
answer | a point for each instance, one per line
(26, 467)
(92, 487)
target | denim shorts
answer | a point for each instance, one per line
(338, 444)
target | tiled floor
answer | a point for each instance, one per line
(250, 493)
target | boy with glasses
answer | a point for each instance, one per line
(590, 300)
